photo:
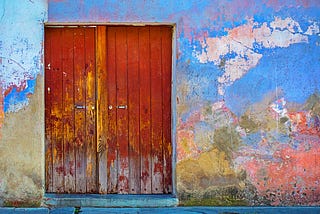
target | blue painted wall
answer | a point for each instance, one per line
(247, 108)
(247, 81)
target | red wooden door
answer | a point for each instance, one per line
(134, 100)
(70, 110)
(127, 129)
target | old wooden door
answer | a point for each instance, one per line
(134, 102)
(120, 142)
(70, 110)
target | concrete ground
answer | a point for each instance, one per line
(187, 210)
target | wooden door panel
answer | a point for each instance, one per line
(145, 98)
(129, 118)
(122, 109)
(112, 151)
(102, 111)
(80, 114)
(139, 109)
(133, 109)
(68, 114)
(56, 94)
(90, 133)
(166, 59)
(70, 124)
(156, 110)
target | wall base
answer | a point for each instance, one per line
(95, 200)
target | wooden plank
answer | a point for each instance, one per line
(79, 86)
(156, 109)
(90, 75)
(133, 108)
(102, 107)
(112, 162)
(122, 113)
(56, 112)
(48, 106)
(68, 110)
(166, 52)
(145, 138)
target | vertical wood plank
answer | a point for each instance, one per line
(79, 90)
(166, 52)
(156, 109)
(122, 113)
(133, 108)
(102, 107)
(145, 138)
(90, 125)
(112, 162)
(56, 112)
(48, 106)
(68, 110)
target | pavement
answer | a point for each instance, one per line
(172, 210)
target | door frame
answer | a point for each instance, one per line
(173, 82)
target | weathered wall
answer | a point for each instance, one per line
(247, 94)
(247, 105)
(21, 98)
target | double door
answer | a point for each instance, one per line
(108, 109)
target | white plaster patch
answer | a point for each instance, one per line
(235, 53)
(313, 29)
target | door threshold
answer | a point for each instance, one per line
(109, 200)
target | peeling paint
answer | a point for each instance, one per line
(243, 44)
(247, 95)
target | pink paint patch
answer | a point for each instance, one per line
(186, 148)
(192, 120)
(291, 176)
(278, 5)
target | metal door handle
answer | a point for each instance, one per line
(82, 107)
(122, 107)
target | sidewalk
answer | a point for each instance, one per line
(187, 210)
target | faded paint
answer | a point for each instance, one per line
(21, 102)
(22, 154)
(247, 106)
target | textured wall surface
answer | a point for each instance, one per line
(247, 82)
(21, 98)
(248, 129)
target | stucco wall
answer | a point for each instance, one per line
(247, 105)
(21, 98)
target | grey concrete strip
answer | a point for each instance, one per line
(9, 210)
(110, 210)
(65, 210)
(95, 200)
(205, 210)
(173, 210)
